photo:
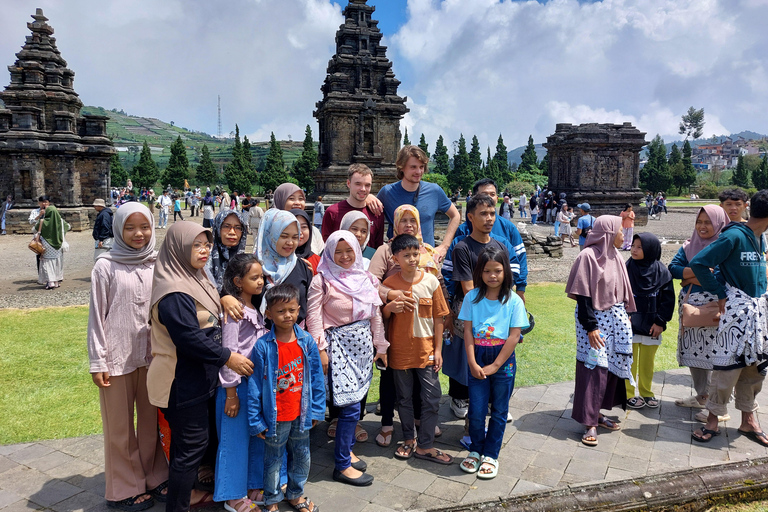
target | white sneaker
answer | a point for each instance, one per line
(459, 407)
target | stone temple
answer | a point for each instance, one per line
(598, 164)
(360, 113)
(46, 146)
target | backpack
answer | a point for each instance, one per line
(585, 231)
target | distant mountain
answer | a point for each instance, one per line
(514, 156)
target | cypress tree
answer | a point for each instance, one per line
(206, 172)
(475, 159)
(238, 173)
(674, 154)
(529, 161)
(760, 175)
(740, 176)
(406, 140)
(655, 174)
(441, 158)
(307, 163)
(503, 175)
(118, 174)
(145, 173)
(423, 145)
(274, 173)
(177, 171)
(461, 176)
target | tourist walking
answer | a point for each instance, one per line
(177, 207)
(522, 205)
(102, 229)
(165, 203)
(7, 205)
(208, 209)
(696, 345)
(599, 284)
(564, 217)
(52, 229)
(627, 226)
(585, 223)
(135, 468)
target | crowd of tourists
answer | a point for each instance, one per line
(214, 363)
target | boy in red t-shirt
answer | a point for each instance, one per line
(286, 397)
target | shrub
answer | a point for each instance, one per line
(708, 190)
(440, 179)
(518, 187)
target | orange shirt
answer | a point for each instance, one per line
(627, 219)
(411, 333)
(290, 377)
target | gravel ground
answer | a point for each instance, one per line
(18, 275)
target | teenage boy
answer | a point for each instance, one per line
(734, 202)
(165, 203)
(290, 401)
(585, 223)
(415, 350)
(102, 228)
(359, 180)
(740, 361)
(428, 198)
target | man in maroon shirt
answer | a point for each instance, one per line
(359, 182)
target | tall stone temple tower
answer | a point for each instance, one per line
(598, 164)
(46, 146)
(360, 113)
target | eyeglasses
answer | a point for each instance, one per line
(230, 227)
(202, 247)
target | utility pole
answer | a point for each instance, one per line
(218, 132)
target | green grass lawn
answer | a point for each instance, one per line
(46, 391)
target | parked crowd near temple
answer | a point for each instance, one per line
(242, 353)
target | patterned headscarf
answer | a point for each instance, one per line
(427, 258)
(220, 254)
(273, 224)
(354, 282)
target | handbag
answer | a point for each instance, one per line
(707, 315)
(36, 246)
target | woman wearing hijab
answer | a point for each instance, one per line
(694, 344)
(654, 296)
(600, 286)
(359, 225)
(276, 249)
(119, 351)
(187, 355)
(304, 250)
(52, 229)
(229, 237)
(290, 197)
(208, 209)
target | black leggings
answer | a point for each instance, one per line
(177, 213)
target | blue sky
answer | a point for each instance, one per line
(472, 67)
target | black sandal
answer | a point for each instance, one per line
(157, 492)
(704, 432)
(131, 505)
(304, 506)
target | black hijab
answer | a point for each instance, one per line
(304, 250)
(649, 274)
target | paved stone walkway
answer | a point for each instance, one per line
(541, 451)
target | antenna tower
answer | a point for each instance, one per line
(218, 133)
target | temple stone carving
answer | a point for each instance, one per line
(598, 164)
(46, 146)
(360, 113)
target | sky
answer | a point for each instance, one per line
(471, 67)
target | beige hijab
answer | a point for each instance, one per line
(174, 271)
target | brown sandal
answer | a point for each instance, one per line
(384, 439)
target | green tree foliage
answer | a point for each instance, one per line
(248, 158)
(145, 173)
(655, 175)
(692, 123)
(544, 165)
(760, 176)
(423, 145)
(740, 176)
(492, 169)
(274, 173)
(462, 175)
(442, 165)
(502, 162)
(239, 173)
(177, 171)
(475, 159)
(681, 167)
(529, 163)
(118, 174)
(206, 171)
(307, 163)
(440, 179)
(406, 140)
(674, 154)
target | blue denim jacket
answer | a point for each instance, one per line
(262, 385)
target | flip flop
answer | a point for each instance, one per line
(608, 423)
(491, 462)
(405, 451)
(434, 457)
(585, 437)
(384, 439)
(304, 506)
(704, 432)
(636, 402)
(205, 501)
(332, 428)
(651, 401)
(759, 437)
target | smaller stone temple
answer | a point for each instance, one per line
(46, 146)
(598, 164)
(360, 113)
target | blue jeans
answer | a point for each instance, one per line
(163, 220)
(289, 436)
(533, 218)
(523, 213)
(495, 389)
(345, 435)
(240, 458)
(557, 228)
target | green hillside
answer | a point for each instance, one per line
(129, 133)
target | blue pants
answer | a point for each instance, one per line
(533, 218)
(163, 220)
(557, 228)
(495, 389)
(345, 435)
(291, 440)
(523, 213)
(240, 458)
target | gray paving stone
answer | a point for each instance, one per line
(489, 490)
(8, 498)
(6, 464)
(414, 480)
(551, 461)
(527, 440)
(543, 476)
(589, 470)
(614, 474)
(51, 461)
(30, 453)
(80, 502)
(526, 487)
(628, 464)
(71, 469)
(373, 507)
(447, 490)
(23, 506)
(8, 449)
(396, 498)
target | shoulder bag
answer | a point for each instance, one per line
(707, 315)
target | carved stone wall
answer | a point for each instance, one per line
(598, 164)
(359, 115)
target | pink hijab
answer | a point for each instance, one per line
(354, 282)
(599, 271)
(719, 220)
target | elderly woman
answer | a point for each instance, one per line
(290, 197)
(187, 355)
(51, 229)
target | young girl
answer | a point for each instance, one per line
(240, 456)
(600, 286)
(345, 321)
(304, 251)
(654, 296)
(176, 208)
(564, 217)
(358, 224)
(118, 349)
(493, 318)
(627, 226)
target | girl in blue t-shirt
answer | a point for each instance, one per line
(493, 317)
